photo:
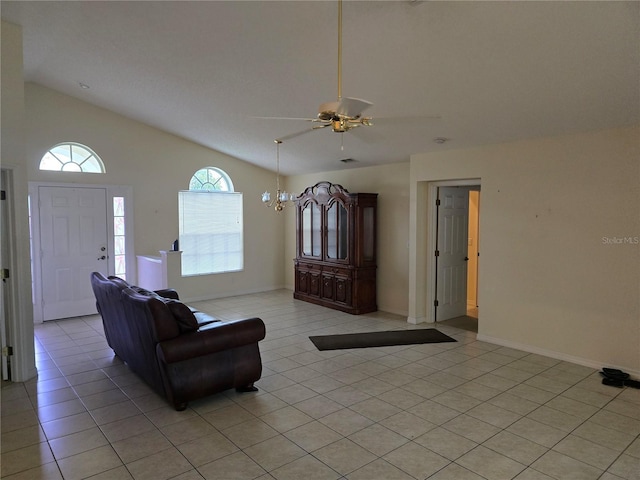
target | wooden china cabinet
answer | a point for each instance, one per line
(335, 264)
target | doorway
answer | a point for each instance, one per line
(456, 256)
(73, 243)
(73, 235)
(473, 252)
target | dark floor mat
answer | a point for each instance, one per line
(379, 339)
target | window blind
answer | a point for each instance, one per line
(210, 232)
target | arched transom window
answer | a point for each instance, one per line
(211, 179)
(72, 157)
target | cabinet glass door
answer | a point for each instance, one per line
(337, 231)
(311, 233)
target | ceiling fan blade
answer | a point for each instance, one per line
(405, 119)
(302, 132)
(352, 107)
(286, 118)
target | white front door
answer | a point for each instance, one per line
(73, 243)
(451, 255)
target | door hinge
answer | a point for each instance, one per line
(435, 303)
(4, 273)
(437, 253)
(3, 195)
(437, 202)
(7, 351)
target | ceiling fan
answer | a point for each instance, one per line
(345, 113)
(342, 115)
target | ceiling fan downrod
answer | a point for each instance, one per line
(339, 49)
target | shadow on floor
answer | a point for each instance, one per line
(468, 322)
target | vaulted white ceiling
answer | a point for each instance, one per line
(492, 71)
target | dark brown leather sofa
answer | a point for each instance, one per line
(183, 354)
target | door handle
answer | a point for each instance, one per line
(102, 257)
(466, 259)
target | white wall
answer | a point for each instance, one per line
(157, 165)
(391, 183)
(548, 281)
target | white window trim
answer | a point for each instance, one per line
(88, 149)
(222, 173)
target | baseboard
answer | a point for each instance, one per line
(416, 320)
(392, 311)
(586, 362)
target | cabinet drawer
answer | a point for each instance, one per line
(337, 271)
(309, 267)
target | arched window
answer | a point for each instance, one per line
(72, 157)
(211, 179)
(210, 224)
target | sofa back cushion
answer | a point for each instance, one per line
(182, 314)
(161, 322)
(147, 325)
(119, 282)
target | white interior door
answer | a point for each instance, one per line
(73, 243)
(452, 242)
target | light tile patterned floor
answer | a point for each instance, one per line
(458, 411)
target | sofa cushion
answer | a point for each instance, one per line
(163, 321)
(120, 282)
(188, 319)
(185, 318)
(182, 314)
(145, 292)
(203, 318)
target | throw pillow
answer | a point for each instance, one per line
(184, 316)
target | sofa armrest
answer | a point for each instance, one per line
(214, 337)
(168, 293)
